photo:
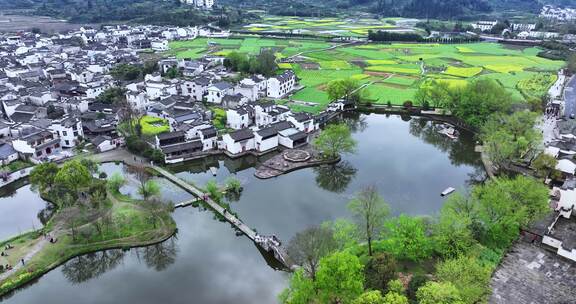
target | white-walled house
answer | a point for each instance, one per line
(7, 154)
(138, 100)
(69, 130)
(239, 141)
(266, 139)
(208, 137)
(292, 138)
(160, 45)
(196, 88)
(240, 117)
(303, 122)
(105, 143)
(269, 113)
(218, 90)
(281, 85)
(37, 144)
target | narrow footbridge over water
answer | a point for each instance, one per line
(269, 244)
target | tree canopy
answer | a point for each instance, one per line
(334, 140)
(508, 138)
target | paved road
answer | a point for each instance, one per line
(570, 98)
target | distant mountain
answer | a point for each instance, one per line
(99, 11)
(444, 9)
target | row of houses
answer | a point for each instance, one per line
(184, 144)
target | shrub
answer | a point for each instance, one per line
(416, 282)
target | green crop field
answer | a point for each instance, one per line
(393, 71)
(324, 27)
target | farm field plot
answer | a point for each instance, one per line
(323, 27)
(393, 72)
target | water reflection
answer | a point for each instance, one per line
(208, 263)
(86, 267)
(159, 256)
(459, 151)
(336, 177)
(21, 209)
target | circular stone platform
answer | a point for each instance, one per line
(296, 156)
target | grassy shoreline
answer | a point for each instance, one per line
(137, 231)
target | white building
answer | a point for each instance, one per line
(69, 130)
(240, 117)
(484, 26)
(239, 141)
(218, 90)
(160, 45)
(279, 86)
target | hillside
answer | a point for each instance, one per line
(98, 11)
(443, 9)
(173, 12)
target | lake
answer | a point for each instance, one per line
(21, 209)
(408, 161)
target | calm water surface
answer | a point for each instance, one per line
(21, 210)
(408, 161)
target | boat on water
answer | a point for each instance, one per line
(448, 131)
(448, 191)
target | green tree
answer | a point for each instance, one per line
(172, 73)
(436, 293)
(417, 281)
(149, 189)
(307, 247)
(301, 290)
(43, 175)
(370, 211)
(435, 93)
(266, 63)
(452, 235)
(370, 297)
(505, 205)
(379, 271)
(90, 164)
(571, 63)
(478, 100)
(340, 278)
(395, 286)
(334, 140)
(544, 164)
(126, 72)
(116, 181)
(114, 95)
(395, 298)
(407, 239)
(348, 89)
(344, 231)
(470, 278)
(508, 138)
(73, 176)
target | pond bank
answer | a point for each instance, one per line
(35, 254)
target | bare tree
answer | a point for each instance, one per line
(370, 211)
(307, 247)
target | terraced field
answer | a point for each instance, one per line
(394, 71)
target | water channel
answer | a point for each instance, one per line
(406, 159)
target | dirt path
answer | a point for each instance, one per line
(29, 255)
(322, 50)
